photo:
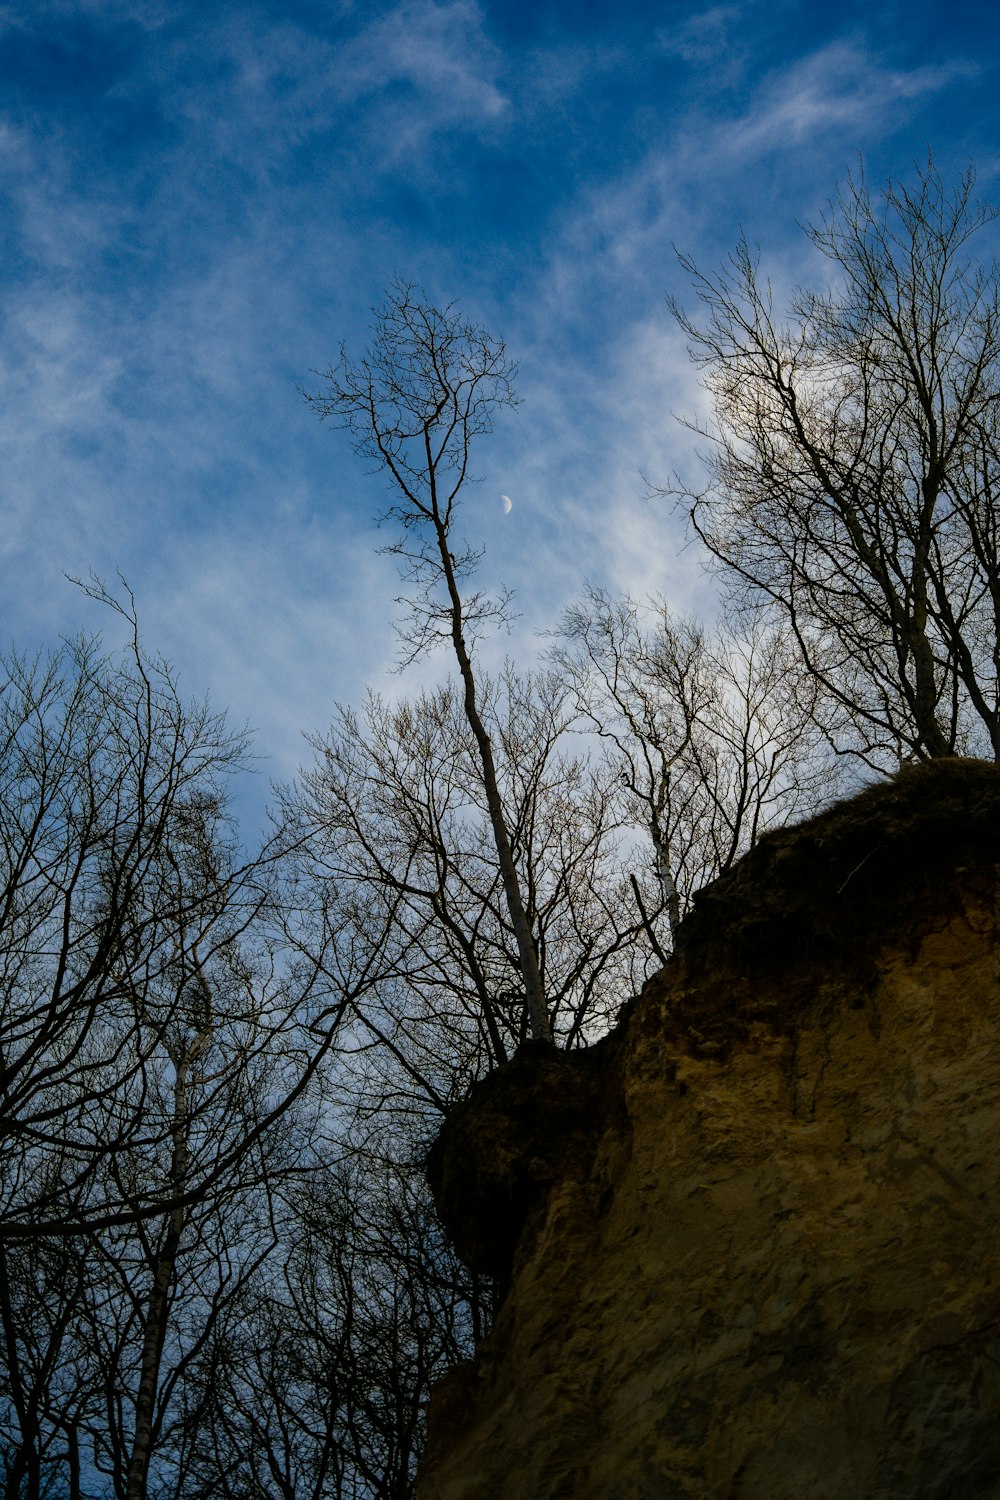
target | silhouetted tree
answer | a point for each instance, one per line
(416, 402)
(710, 735)
(152, 1044)
(397, 864)
(855, 465)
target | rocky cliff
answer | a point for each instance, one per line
(753, 1238)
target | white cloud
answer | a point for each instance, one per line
(155, 424)
(839, 86)
(382, 91)
(612, 371)
(438, 48)
(707, 36)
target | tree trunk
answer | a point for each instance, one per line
(24, 1471)
(164, 1269)
(152, 1351)
(534, 992)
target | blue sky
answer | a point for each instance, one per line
(200, 200)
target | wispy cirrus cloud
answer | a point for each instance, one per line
(439, 48)
(839, 87)
(617, 374)
(193, 224)
(419, 70)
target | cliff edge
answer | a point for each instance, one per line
(752, 1238)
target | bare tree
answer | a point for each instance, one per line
(710, 735)
(317, 1386)
(104, 772)
(855, 463)
(42, 1287)
(399, 868)
(416, 402)
(400, 906)
(152, 1043)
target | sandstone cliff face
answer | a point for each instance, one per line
(754, 1236)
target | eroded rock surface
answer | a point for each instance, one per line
(753, 1238)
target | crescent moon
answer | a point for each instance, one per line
(506, 501)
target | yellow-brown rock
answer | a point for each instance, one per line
(755, 1234)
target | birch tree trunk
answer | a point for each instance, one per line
(164, 1275)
